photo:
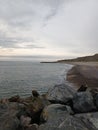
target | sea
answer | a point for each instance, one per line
(20, 77)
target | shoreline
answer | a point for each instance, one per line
(83, 73)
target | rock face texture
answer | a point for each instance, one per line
(83, 102)
(8, 119)
(60, 94)
(58, 117)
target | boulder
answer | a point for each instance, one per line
(75, 123)
(15, 98)
(8, 119)
(33, 109)
(53, 115)
(90, 119)
(60, 94)
(83, 102)
(35, 93)
(25, 121)
(96, 100)
(58, 117)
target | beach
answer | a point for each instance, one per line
(83, 73)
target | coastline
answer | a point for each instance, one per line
(83, 73)
(59, 107)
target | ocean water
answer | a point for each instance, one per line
(20, 77)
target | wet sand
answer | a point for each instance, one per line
(83, 73)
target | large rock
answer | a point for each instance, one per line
(60, 94)
(54, 115)
(76, 123)
(96, 100)
(8, 119)
(83, 102)
(90, 119)
(58, 117)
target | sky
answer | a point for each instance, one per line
(63, 28)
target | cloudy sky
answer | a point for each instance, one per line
(66, 28)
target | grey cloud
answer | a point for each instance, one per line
(16, 43)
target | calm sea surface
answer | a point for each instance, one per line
(20, 77)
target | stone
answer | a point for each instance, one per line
(74, 123)
(35, 93)
(82, 88)
(25, 121)
(96, 100)
(32, 127)
(54, 114)
(90, 119)
(69, 123)
(60, 94)
(8, 119)
(83, 102)
(15, 98)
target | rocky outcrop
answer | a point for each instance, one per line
(60, 94)
(67, 110)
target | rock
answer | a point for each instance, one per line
(96, 100)
(8, 119)
(25, 121)
(83, 102)
(54, 115)
(33, 109)
(60, 94)
(68, 123)
(74, 123)
(90, 119)
(82, 88)
(15, 98)
(32, 127)
(35, 93)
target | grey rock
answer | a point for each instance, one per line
(90, 119)
(60, 93)
(96, 100)
(83, 102)
(74, 123)
(54, 115)
(69, 123)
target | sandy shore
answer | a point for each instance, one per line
(83, 73)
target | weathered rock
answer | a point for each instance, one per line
(69, 123)
(96, 100)
(83, 102)
(54, 115)
(35, 93)
(82, 88)
(60, 94)
(32, 127)
(8, 119)
(33, 109)
(74, 123)
(90, 119)
(25, 121)
(15, 98)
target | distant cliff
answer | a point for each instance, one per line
(80, 59)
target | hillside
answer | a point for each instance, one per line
(93, 58)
